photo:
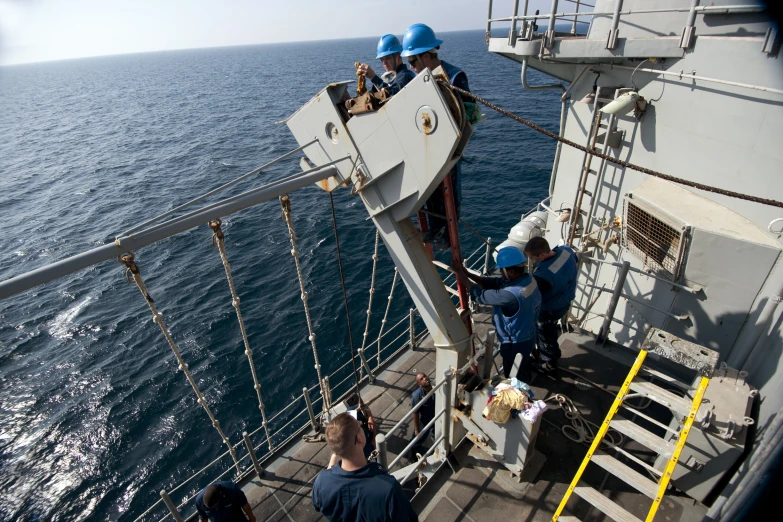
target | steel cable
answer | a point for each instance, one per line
(643, 170)
(345, 300)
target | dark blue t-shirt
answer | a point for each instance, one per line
(427, 412)
(368, 494)
(228, 508)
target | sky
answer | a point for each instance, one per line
(43, 30)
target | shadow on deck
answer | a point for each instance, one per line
(480, 488)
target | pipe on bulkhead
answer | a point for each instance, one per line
(563, 102)
(538, 87)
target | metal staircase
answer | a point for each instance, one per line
(683, 408)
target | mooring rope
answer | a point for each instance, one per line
(285, 203)
(347, 310)
(643, 170)
(132, 271)
(218, 239)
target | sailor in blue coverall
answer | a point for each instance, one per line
(515, 301)
(389, 49)
(556, 273)
(421, 46)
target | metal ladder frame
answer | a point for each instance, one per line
(618, 402)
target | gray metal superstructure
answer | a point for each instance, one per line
(712, 79)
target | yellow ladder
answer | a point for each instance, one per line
(628, 475)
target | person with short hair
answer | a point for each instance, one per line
(427, 412)
(420, 47)
(223, 502)
(515, 301)
(389, 49)
(556, 273)
(352, 488)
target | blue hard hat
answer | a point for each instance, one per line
(419, 38)
(388, 44)
(510, 256)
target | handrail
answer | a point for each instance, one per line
(727, 9)
(427, 454)
(422, 433)
(416, 408)
(194, 219)
(215, 191)
(278, 431)
(691, 289)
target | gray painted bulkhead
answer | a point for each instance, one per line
(720, 135)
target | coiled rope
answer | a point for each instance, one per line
(133, 272)
(581, 430)
(218, 239)
(643, 170)
(285, 203)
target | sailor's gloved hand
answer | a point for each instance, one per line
(367, 71)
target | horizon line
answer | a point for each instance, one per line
(14, 64)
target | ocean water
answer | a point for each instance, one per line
(95, 419)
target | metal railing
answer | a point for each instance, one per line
(528, 21)
(380, 439)
(305, 403)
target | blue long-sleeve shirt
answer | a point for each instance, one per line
(491, 293)
(404, 76)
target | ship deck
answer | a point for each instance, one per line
(479, 488)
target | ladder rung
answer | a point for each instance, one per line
(451, 290)
(643, 436)
(442, 265)
(609, 508)
(680, 405)
(588, 192)
(568, 518)
(631, 456)
(628, 475)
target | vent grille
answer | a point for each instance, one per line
(657, 243)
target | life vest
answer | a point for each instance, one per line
(560, 272)
(522, 325)
(451, 71)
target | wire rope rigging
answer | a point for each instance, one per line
(372, 292)
(218, 239)
(347, 309)
(285, 203)
(132, 272)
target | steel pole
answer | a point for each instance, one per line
(512, 34)
(611, 39)
(252, 453)
(447, 396)
(313, 421)
(172, 507)
(489, 22)
(487, 255)
(549, 36)
(383, 455)
(603, 333)
(412, 328)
